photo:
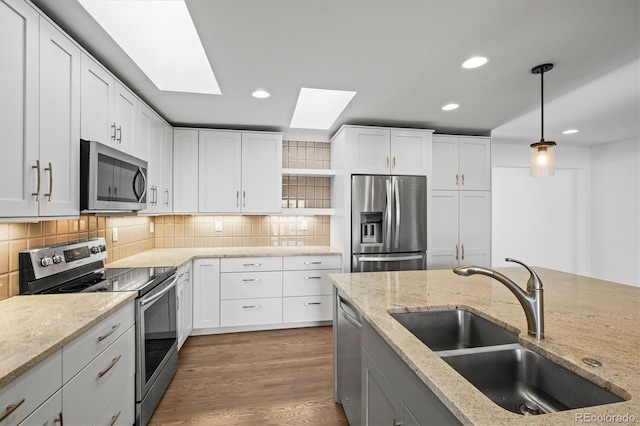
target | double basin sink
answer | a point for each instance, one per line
(490, 358)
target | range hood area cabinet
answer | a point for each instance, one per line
(40, 116)
(227, 172)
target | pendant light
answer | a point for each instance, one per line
(543, 161)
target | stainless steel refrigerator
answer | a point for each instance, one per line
(388, 223)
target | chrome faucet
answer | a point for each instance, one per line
(531, 300)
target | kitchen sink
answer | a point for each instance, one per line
(524, 382)
(454, 329)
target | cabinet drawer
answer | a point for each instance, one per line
(307, 283)
(250, 285)
(296, 263)
(250, 312)
(32, 388)
(48, 414)
(310, 308)
(247, 264)
(122, 410)
(82, 350)
(90, 392)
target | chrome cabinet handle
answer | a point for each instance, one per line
(313, 263)
(166, 197)
(462, 246)
(462, 180)
(119, 138)
(387, 163)
(244, 199)
(109, 333)
(113, 363)
(114, 419)
(252, 264)
(394, 163)
(237, 198)
(11, 408)
(252, 307)
(457, 252)
(457, 179)
(312, 303)
(312, 278)
(50, 170)
(113, 135)
(37, 193)
(246, 280)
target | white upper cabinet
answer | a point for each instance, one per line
(261, 173)
(220, 178)
(185, 171)
(156, 167)
(59, 123)
(167, 168)
(18, 109)
(125, 118)
(462, 163)
(97, 103)
(143, 130)
(389, 151)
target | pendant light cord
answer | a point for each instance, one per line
(542, 106)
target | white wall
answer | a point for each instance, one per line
(541, 221)
(615, 212)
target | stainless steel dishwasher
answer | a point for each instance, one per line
(347, 357)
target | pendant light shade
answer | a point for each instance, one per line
(543, 159)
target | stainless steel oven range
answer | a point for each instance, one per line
(79, 267)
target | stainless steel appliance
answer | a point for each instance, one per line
(110, 180)
(79, 267)
(388, 223)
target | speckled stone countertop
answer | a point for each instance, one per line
(34, 327)
(179, 256)
(584, 317)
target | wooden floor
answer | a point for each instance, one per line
(277, 377)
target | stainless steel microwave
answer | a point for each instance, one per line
(110, 180)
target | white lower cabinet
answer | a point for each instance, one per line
(206, 293)
(120, 411)
(248, 312)
(184, 303)
(307, 308)
(48, 414)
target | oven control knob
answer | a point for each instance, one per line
(95, 250)
(57, 258)
(103, 248)
(45, 261)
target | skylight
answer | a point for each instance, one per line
(319, 108)
(159, 36)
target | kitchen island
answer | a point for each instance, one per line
(584, 317)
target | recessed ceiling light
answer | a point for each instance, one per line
(450, 107)
(319, 108)
(570, 131)
(475, 62)
(260, 94)
(141, 28)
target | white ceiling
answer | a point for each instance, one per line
(403, 58)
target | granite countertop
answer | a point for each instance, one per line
(179, 256)
(584, 317)
(34, 327)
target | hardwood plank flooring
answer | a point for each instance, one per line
(275, 377)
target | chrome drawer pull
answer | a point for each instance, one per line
(252, 307)
(313, 263)
(113, 362)
(11, 408)
(312, 303)
(114, 419)
(37, 193)
(109, 333)
(312, 278)
(246, 280)
(252, 264)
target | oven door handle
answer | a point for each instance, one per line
(151, 299)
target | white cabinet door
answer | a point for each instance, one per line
(410, 152)
(261, 173)
(220, 164)
(475, 164)
(185, 171)
(125, 113)
(155, 170)
(371, 150)
(206, 293)
(97, 103)
(59, 123)
(143, 131)
(167, 169)
(443, 234)
(475, 228)
(18, 108)
(179, 312)
(187, 313)
(48, 414)
(445, 162)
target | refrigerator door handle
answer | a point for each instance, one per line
(396, 202)
(387, 225)
(390, 259)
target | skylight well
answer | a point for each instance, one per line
(319, 108)
(159, 36)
